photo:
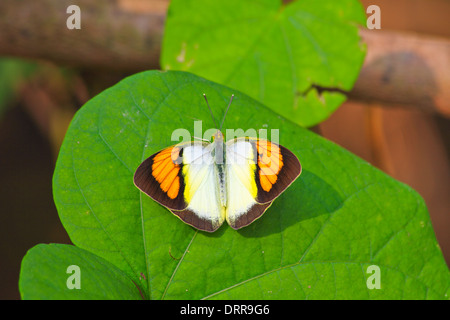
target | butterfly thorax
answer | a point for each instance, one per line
(219, 161)
(219, 148)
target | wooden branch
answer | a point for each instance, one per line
(125, 35)
(405, 69)
(117, 35)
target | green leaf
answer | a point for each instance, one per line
(316, 240)
(45, 274)
(278, 54)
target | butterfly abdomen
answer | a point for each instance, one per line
(220, 173)
(220, 160)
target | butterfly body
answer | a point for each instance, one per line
(220, 169)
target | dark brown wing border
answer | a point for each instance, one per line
(253, 214)
(147, 183)
(189, 217)
(289, 172)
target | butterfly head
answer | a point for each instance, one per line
(218, 136)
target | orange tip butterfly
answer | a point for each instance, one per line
(205, 183)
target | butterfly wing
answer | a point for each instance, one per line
(258, 171)
(201, 191)
(277, 169)
(160, 177)
(242, 190)
(182, 179)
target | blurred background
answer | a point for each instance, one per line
(397, 116)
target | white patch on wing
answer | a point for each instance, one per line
(241, 185)
(201, 191)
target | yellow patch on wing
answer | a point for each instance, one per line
(165, 170)
(193, 178)
(270, 162)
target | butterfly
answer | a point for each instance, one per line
(205, 183)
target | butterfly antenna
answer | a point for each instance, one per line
(226, 111)
(210, 111)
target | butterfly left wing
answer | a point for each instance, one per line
(182, 179)
(204, 210)
(160, 177)
(258, 172)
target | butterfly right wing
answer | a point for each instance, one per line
(182, 178)
(258, 172)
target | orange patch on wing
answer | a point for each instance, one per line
(162, 155)
(165, 170)
(270, 162)
(174, 188)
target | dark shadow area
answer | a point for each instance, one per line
(28, 213)
(308, 197)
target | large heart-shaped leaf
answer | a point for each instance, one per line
(316, 241)
(295, 58)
